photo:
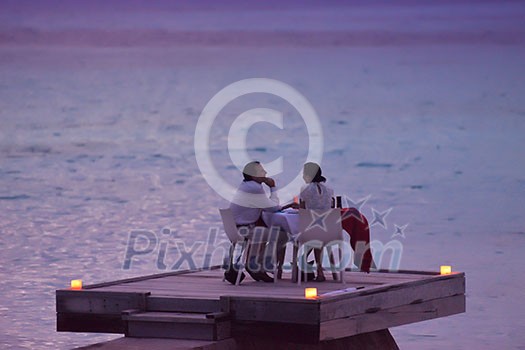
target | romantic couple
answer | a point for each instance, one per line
(251, 200)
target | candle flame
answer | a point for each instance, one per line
(310, 293)
(446, 270)
(76, 284)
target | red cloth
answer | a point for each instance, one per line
(356, 225)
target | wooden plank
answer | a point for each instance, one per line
(205, 273)
(171, 317)
(267, 296)
(161, 325)
(248, 287)
(143, 329)
(209, 291)
(217, 271)
(268, 310)
(409, 272)
(78, 322)
(159, 303)
(216, 275)
(392, 317)
(223, 329)
(392, 285)
(211, 326)
(219, 285)
(255, 290)
(96, 302)
(262, 332)
(218, 315)
(372, 277)
(296, 295)
(381, 278)
(203, 287)
(142, 278)
(396, 296)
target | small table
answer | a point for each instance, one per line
(353, 222)
(287, 219)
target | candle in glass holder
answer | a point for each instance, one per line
(446, 270)
(310, 293)
(76, 284)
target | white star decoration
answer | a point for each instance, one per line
(379, 217)
(350, 213)
(400, 231)
(318, 220)
(350, 203)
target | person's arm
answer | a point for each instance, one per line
(273, 190)
(273, 196)
(254, 196)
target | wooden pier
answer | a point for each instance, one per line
(198, 309)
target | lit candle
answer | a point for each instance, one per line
(76, 284)
(310, 293)
(446, 270)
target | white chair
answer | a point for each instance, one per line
(319, 229)
(233, 235)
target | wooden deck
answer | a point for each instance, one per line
(199, 305)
